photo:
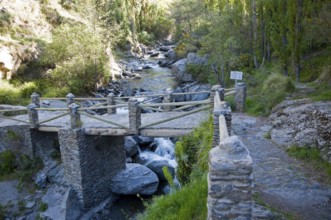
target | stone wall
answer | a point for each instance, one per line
(230, 181)
(16, 138)
(90, 162)
(240, 97)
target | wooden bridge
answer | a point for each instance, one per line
(124, 114)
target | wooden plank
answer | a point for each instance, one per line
(176, 103)
(223, 128)
(48, 129)
(165, 132)
(106, 131)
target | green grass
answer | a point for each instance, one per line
(187, 203)
(311, 157)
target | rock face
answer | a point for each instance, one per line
(303, 123)
(135, 179)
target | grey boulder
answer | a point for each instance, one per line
(157, 165)
(130, 146)
(135, 179)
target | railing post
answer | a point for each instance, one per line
(168, 97)
(33, 115)
(111, 101)
(240, 96)
(221, 92)
(134, 116)
(70, 99)
(35, 99)
(75, 121)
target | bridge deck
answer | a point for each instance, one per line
(173, 128)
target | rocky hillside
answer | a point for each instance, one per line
(24, 25)
(303, 123)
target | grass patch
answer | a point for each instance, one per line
(187, 203)
(267, 91)
(312, 158)
(267, 135)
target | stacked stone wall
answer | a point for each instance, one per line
(230, 181)
(90, 162)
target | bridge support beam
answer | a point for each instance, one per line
(111, 101)
(168, 97)
(89, 164)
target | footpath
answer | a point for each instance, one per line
(279, 180)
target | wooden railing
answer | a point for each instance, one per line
(110, 103)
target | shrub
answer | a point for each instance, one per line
(273, 90)
(145, 38)
(80, 59)
(5, 20)
(199, 72)
(7, 162)
(192, 151)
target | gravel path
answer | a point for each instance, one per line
(280, 181)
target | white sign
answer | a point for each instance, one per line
(236, 75)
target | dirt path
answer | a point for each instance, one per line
(279, 180)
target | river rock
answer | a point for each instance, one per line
(201, 96)
(130, 146)
(41, 180)
(157, 165)
(165, 48)
(135, 179)
(303, 123)
(143, 141)
(179, 70)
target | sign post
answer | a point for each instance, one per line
(236, 75)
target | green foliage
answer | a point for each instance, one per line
(78, 54)
(187, 203)
(43, 207)
(145, 38)
(2, 212)
(199, 72)
(7, 162)
(5, 20)
(11, 135)
(311, 156)
(268, 93)
(168, 176)
(52, 16)
(192, 151)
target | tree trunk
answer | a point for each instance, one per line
(298, 39)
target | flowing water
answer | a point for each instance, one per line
(154, 80)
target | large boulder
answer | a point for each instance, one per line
(157, 167)
(195, 59)
(179, 70)
(130, 146)
(179, 67)
(303, 123)
(135, 179)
